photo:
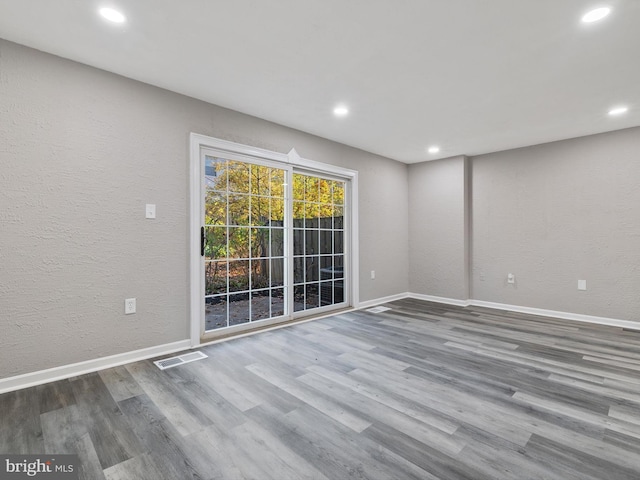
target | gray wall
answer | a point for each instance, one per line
(81, 152)
(559, 212)
(438, 221)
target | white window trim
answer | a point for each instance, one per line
(198, 141)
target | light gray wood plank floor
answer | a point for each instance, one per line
(422, 391)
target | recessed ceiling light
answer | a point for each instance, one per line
(112, 15)
(618, 110)
(341, 111)
(434, 149)
(596, 14)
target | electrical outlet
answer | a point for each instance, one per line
(129, 306)
(373, 274)
(511, 278)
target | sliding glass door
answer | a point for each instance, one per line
(273, 242)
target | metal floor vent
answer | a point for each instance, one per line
(378, 309)
(179, 360)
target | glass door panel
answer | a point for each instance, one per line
(244, 242)
(318, 242)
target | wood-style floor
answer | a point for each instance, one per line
(423, 391)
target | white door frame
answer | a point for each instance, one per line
(292, 159)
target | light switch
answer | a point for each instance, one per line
(151, 210)
(582, 284)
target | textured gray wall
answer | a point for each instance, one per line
(81, 152)
(437, 228)
(559, 212)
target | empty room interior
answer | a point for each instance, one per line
(320, 239)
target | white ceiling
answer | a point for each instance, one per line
(473, 76)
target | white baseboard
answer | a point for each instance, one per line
(66, 371)
(578, 317)
(448, 301)
(378, 301)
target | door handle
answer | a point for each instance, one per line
(202, 241)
